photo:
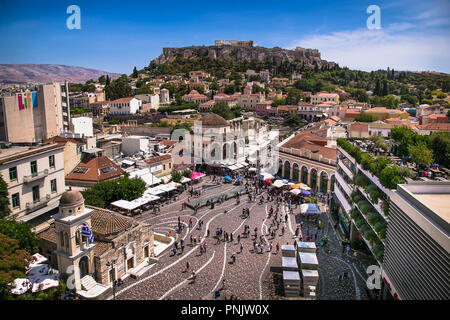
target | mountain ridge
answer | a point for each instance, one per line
(41, 73)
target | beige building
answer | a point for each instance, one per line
(29, 117)
(305, 158)
(73, 150)
(322, 97)
(160, 166)
(35, 180)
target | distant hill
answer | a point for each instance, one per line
(24, 73)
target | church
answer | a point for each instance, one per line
(93, 246)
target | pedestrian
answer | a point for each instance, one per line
(187, 266)
(207, 233)
(261, 245)
(278, 247)
(174, 250)
(204, 247)
(201, 249)
(191, 239)
(270, 246)
(194, 275)
(231, 237)
(195, 241)
(241, 248)
(239, 238)
(223, 283)
(182, 249)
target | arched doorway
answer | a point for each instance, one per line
(287, 170)
(333, 179)
(323, 182)
(313, 183)
(304, 175)
(295, 172)
(280, 168)
(224, 151)
(84, 267)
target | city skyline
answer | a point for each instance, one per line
(412, 35)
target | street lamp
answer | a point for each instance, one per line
(112, 265)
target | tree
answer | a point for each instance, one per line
(13, 263)
(293, 120)
(104, 193)
(145, 90)
(135, 73)
(118, 88)
(4, 200)
(404, 137)
(278, 102)
(420, 154)
(222, 109)
(365, 117)
(21, 232)
(440, 144)
(176, 176)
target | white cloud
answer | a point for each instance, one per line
(377, 49)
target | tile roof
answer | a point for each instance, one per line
(358, 126)
(158, 159)
(435, 126)
(214, 120)
(310, 136)
(124, 99)
(95, 170)
(63, 141)
(107, 223)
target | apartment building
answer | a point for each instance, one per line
(35, 180)
(417, 259)
(249, 101)
(30, 117)
(360, 204)
(83, 100)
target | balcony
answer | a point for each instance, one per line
(347, 171)
(345, 153)
(344, 203)
(30, 206)
(344, 184)
(39, 175)
(374, 179)
(376, 206)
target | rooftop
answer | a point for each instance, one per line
(19, 152)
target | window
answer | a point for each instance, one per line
(33, 166)
(51, 161)
(53, 186)
(170, 164)
(35, 193)
(15, 200)
(164, 167)
(13, 174)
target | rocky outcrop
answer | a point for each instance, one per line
(310, 57)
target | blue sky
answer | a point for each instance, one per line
(115, 35)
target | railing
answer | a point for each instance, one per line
(39, 175)
(374, 179)
(345, 153)
(347, 171)
(304, 153)
(370, 225)
(376, 206)
(38, 204)
(343, 184)
(347, 207)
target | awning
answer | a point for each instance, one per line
(278, 184)
(166, 178)
(128, 162)
(185, 180)
(124, 204)
(309, 208)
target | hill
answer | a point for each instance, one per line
(41, 73)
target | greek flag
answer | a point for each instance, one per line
(87, 232)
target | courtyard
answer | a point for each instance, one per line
(253, 275)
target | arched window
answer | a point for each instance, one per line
(333, 179)
(287, 170)
(304, 175)
(78, 238)
(295, 176)
(323, 182)
(280, 167)
(313, 183)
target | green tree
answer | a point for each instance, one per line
(135, 73)
(440, 144)
(176, 176)
(222, 109)
(104, 193)
(21, 232)
(13, 263)
(293, 120)
(278, 102)
(145, 90)
(4, 200)
(420, 154)
(365, 117)
(119, 88)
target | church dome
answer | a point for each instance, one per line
(71, 198)
(214, 120)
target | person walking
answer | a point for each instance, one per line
(182, 249)
(204, 247)
(241, 248)
(223, 283)
(278, 247)
(239, 238)
(231, 237)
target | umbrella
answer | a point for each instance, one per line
(295, 186)
(227, 177)
(285, 181)
(239, 178)
(306, 193)
(268, 181)
(304, 187)
(295, 191)
(278, 184)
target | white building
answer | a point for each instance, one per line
(35, 180)
(83, 126)
(135, 144)
(128, 105)
(164, 96)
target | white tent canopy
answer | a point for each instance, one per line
(127, 205)
(145, 175)
(278, 184)
(295, 191)
(266, 175)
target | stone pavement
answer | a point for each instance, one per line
(249, 277)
